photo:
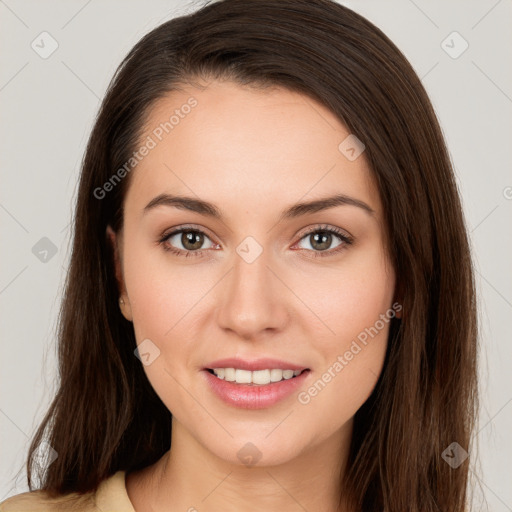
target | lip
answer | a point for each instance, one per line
(247, 396)
(256, 364)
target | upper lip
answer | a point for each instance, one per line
(254, 364)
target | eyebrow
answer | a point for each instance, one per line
(294, 211)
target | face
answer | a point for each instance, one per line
(310, 290)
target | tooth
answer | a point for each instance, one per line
(219, 372)
(229, 374)
(276, 375)
(258, 377)
(261, 377)
(243, 376)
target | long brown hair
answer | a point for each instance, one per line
(106, 417)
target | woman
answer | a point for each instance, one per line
(270, 303)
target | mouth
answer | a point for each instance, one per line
(257, 377)
(259, 388)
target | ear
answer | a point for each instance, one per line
(115, 242)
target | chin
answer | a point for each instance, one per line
(257, 451)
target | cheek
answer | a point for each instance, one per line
(349, 297)
(161, 292)
(162, 297)
(357, 308)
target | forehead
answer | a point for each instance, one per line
(247, 147)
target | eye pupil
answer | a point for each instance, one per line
(188, 237)
(325, 240)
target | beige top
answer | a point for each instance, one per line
(111, 496)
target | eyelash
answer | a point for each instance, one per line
(347, 240)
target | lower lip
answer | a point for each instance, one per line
(247, 396)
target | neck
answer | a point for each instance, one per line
(191, 478)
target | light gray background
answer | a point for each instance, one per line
(47, 110)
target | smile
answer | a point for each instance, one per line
(257, 378)
(258, 389)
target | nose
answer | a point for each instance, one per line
(252, 298)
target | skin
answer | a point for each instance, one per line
(252, 153)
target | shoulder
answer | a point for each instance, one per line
(111, 496)
(40, 501)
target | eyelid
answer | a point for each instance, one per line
(185, 227)
(343, 235)
(326, 227)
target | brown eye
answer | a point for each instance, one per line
(186, 241)
(321, 241)
(192, 240)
